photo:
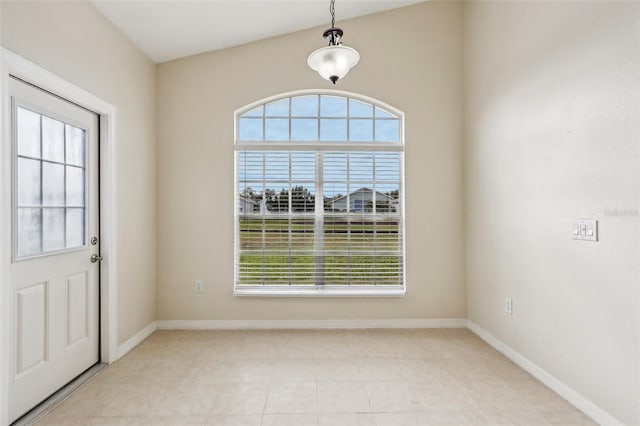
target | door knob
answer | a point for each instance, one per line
(95, 258)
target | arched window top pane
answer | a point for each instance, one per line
(304, 106)
(277, 109)
(360, 109)
(381, 113)
(319, 117)
(333, 106)
(255, 112)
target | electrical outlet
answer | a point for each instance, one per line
(508, 305)
(199, 286)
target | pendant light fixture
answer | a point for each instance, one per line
(335, 61)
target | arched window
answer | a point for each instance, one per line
(319, 196)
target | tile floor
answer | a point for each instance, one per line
(314, 378)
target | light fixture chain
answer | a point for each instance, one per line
(332, 10)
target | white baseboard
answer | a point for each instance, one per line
(580, 402)
(135, 340)
(311, 324)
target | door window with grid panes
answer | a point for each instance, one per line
(50, 179)
(319, 196)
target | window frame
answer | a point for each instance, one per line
(306, 290)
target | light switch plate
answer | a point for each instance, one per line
(585, 229)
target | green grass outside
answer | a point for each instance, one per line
(291, 259)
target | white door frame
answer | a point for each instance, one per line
(14, 64)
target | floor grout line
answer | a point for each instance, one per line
(449, 360)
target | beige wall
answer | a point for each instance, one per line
(74, 41)
(411, 59)
(552, 115)
(552, 132)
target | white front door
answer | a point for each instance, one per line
(54, 283)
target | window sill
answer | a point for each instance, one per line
(328, 291)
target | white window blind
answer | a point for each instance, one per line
(319, 196)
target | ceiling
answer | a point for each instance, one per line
(170, 29)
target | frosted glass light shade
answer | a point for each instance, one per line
(333, 62)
